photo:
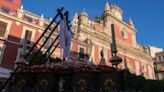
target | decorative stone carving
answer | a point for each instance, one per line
(89, 41)
(82, 85)
(43, 85)
(61, 83)
(18, 23)
(124, 34)
(108, 84)
(82, 37)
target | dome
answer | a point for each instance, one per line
(84, 14)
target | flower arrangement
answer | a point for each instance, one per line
(74, 66)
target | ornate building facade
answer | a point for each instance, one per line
(89, 39)
(93, 36)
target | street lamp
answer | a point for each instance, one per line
(115, 60)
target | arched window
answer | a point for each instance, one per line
(124, 34)
(3, 27)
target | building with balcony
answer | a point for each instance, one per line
(159, 65)
(152, 50)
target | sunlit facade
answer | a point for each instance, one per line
(14, 22)
(92, 36)
(89, 39)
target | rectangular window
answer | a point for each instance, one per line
(162, 57)
(82, 53)
(29, 36)
(28, 19)
(5, 10)
(3, 27)
(159, 57)
(1, 53)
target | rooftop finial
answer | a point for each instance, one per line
(42, 16)
(76, 14)
(130, 22)
(83, 9)
(107, 7)
(50, 19)
(21, 7)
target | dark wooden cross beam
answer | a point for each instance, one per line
(48, 27)
(52, 31)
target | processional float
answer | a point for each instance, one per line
(63, 76)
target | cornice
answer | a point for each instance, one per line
(20, 20)
(81, 42)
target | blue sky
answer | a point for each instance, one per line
(148, 15)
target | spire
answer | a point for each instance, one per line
(107, 7)
(130, 23)
(50, 19)
(75, 17)
(42, 16)
(21, 7)
(76, 14)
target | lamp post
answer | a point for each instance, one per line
(115, 60)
